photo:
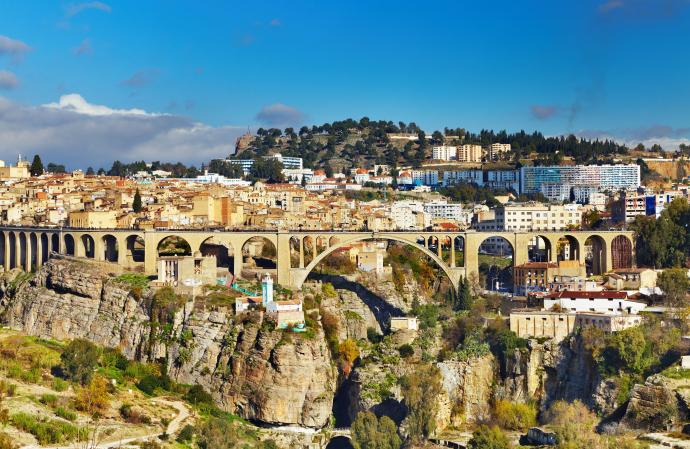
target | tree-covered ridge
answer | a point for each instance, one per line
(349, 143)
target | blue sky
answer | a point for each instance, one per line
(202, 72)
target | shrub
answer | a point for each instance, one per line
(197, 395)
(132, 415)
(79, 359)
(44, 430)
(48, 399)
(186, 434)
(486, 437)
(511, 416)
(59, 385)
(93, 398)
(63, 413)
(7, 389)
(7, 442)
(373, 336)
(150, 383)
(406, 350)
(368, 431)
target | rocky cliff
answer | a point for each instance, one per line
(250, 368)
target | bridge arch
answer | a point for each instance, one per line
(173, 245)
(621, 252)
(45, 250)
(33, 262)
(55, 243)
(111, 248)
(23, 250)
(136, 248)
(70, 246)
(88, 246)
(302, 274)
(596, 257)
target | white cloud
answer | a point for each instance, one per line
(80, 134)
(75, 9)
(13, 47)
(8, 80)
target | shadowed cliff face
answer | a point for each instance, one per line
(250, 368)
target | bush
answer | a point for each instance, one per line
(406, 350)
(368, 431)
(59, 385)
(150, 383)
(197, 395)
(486, 437)
(186, 434)
(7, 442)
(132, 415)
(48, 399)
(63, 413)
(44, 430)
(79, 359)
(513, 416)
(373, 336)
(93, 398)
(427, 315)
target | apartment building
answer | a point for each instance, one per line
(444, 153)
(469, 153)
(425, 177)
(287, 161)
(442, 210)
(556, 182)
(531, 217)
(495, 150)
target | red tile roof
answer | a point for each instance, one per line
(588, 295)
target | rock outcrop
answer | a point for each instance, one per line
(251, 369)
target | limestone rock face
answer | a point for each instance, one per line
(249, 368)
(653, 405)
(467, 390)
(353, 315)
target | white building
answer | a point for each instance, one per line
(425, 177)
(444, 153)
(495, 150)
(531, 217)
(409, 215)
(598, 302)
(441, 209)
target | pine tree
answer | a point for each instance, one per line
(36, 168)
(136, 203)
(465, 298)
(90, 172)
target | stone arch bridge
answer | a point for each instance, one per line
(30, 247)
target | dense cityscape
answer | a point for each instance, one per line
(291, 281)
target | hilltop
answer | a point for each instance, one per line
(350, 143)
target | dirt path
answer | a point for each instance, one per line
(173, 427)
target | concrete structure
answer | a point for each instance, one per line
(542, 323)
(469, 153)
(190, 271)
(608, 322)
(404, 323)
(93, 219)
(532, 217)
(495, 150)
(29, 247)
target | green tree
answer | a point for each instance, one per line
(36, 168)
(90, 172)
(136, 203)
(79, 359)
(675, 284)
(370, 432)
(421, 389)
(486, 437)
(465, 299)
(269, 169)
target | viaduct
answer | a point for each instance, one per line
(297, 253)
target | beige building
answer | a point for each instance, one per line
(532, 217)
(495, 150)
(470, 153)
(20, 171)
(93, 219)
(541, 323)
(632, 279)
(607, 322)
(189, 271)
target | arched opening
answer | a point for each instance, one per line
(223, 253)
(89, 246)
(496, 264)
(294, 252)
(321, 245)
(3, 248)
(174, 245)
(12, 240)
(45, 250)
(111, 248)
(22, 250)
(259, 254)
(55, 243)
(595, 255)
(340, 443)
(136, 248)
(69, 245)
(567, 248)
(621, 252)
(33, 256)
(308, 249)
(459, 247)
(539, 249)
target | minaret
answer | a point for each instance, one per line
(266, 290)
